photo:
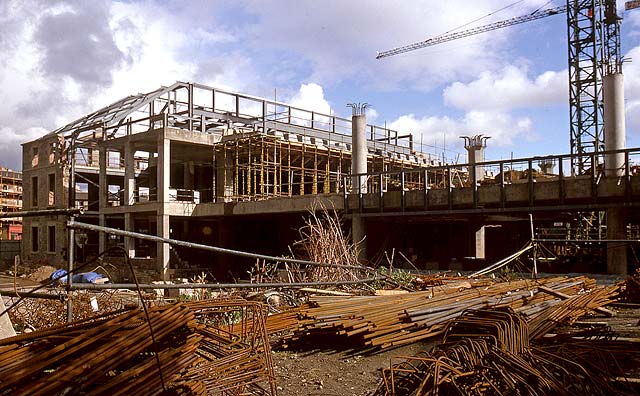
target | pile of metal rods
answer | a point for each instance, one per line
(487, 352)
(394, 320)
(234, 355)
(201, 348)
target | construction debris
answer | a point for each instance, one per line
(203, 348)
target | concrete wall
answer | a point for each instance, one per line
(48, 162)
(8, 250)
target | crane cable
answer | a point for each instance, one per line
(482, 17)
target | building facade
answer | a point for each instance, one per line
(10, 201)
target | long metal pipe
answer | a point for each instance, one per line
(27, 294)
(41, 212)
(91, 286)
(92, 227)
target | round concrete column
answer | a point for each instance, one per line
(359, 152)
(359, 183)
(614, 124)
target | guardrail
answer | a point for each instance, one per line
(489, 184)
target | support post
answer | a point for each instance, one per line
(103, 196)
(162, 225)
(359, 169)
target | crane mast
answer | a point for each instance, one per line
(593, 31)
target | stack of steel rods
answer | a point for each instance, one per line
(487, 352)
(114, 356)
(393, 320)
(201, 348)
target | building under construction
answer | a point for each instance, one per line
(194, 163)
(10, 201)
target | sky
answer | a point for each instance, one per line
(63, 59)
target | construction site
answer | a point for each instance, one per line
(197, 241)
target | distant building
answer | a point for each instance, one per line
(10, 201)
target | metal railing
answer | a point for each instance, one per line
(500, 173)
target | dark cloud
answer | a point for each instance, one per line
(79, 44)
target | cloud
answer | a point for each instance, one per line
(507, 89)
(436, 133)
(311, 97)
(338, 40)
(76, 42)
(632, 93)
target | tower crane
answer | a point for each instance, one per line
(593, 28)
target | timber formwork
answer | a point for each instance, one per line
(258, 166)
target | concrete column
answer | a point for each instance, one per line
(614, 123)
(615, 139)
(164, 168)
(223, 175)
(103, 194)
(129, 174)
(162, 224)
(129, 195)
(616, 251)
(129, 243)
(359, 233)
(477, 239)
(475, 146)
(162, 249)
(359, 151)
(359, 183)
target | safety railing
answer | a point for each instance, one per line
(489, 183)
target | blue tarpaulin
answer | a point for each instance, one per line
(60, 276)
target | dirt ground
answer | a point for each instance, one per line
(321, 371)
(339, 373)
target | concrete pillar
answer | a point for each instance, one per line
(359, 183)
(615, 139)
(162, 224)
(223, 175)
(359, 233)
(614, 123)
(162, 249)
(129, 195)
(477, 241)
(616, 251)
(164, 169)
(359, 151)
(103, 194)
(475, 146)
(129, 174)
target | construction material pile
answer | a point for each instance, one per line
(394, 320)
(204, 348)
(39, 313)
(488, 352)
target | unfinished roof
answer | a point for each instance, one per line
(200, 108)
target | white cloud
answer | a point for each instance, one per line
(508, 89)
(437, 132)
(340, 39)
(311, 97)
(632, 92)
